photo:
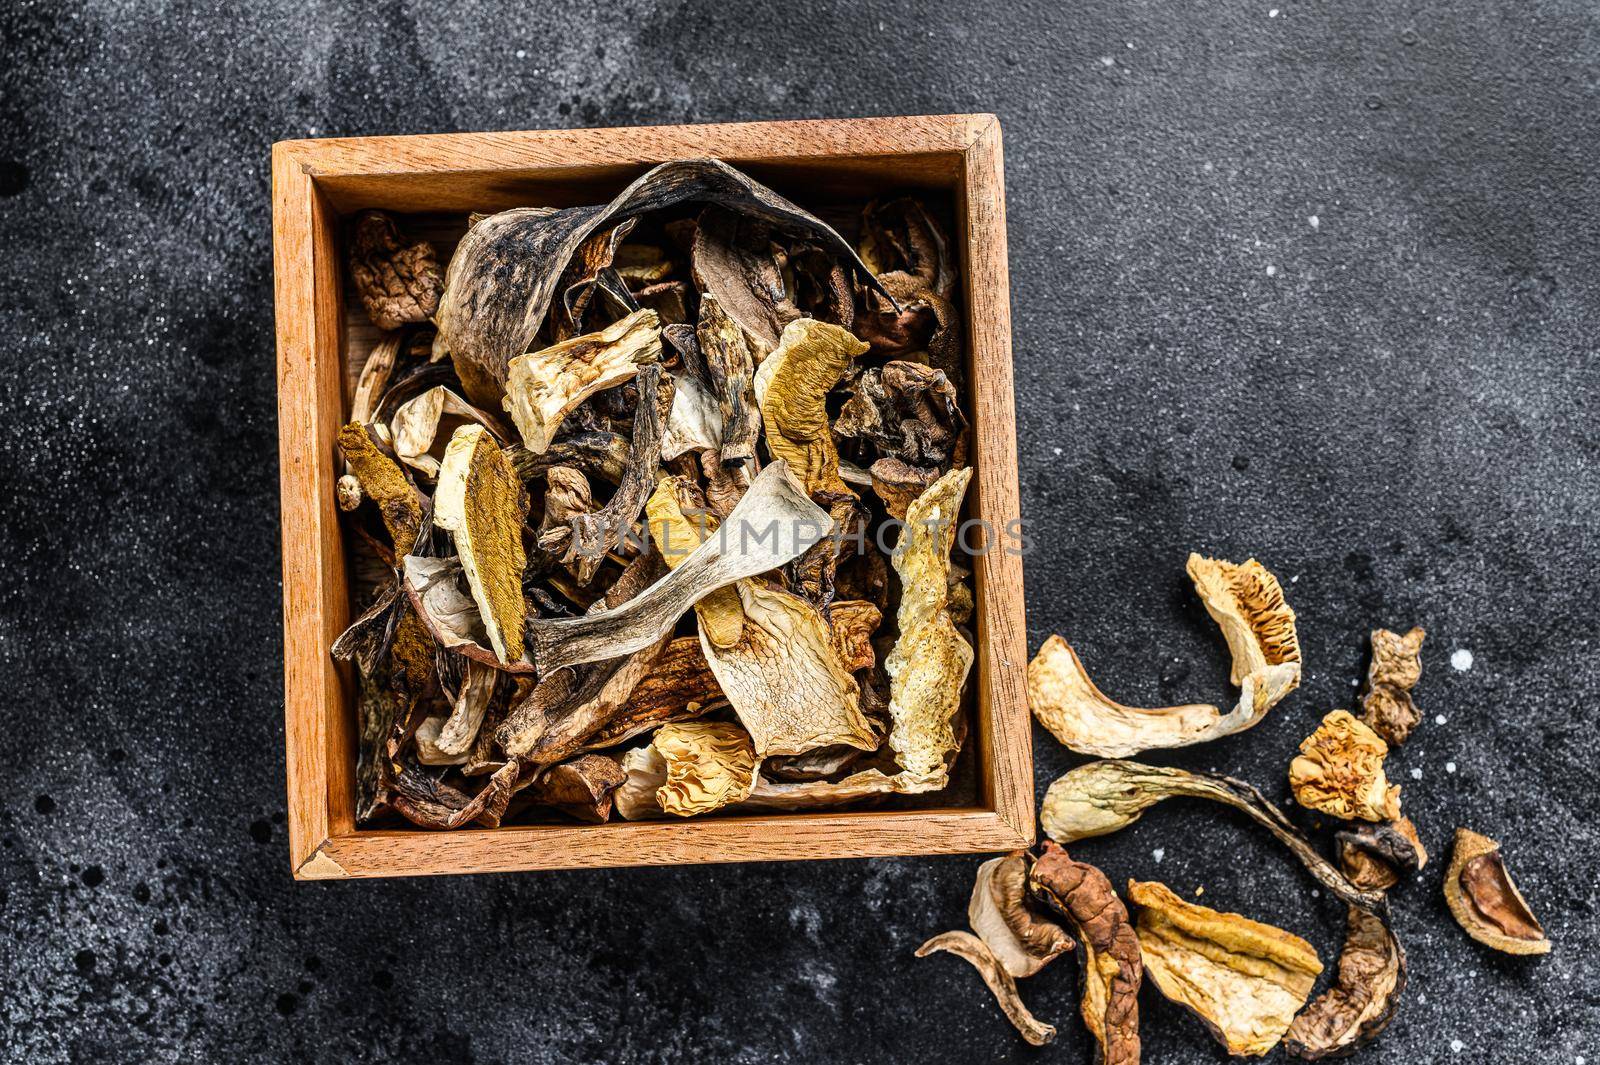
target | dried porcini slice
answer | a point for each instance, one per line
(695, 423)
(456, 733)
(675, 534)
(736, 264)
(1112, 966)
(679, 686)
(929, 662)
(710, 764)
(482, 504)
(1022, 940)
(911, 255)
(1246, 601)
(581, 788)
(1364, 996)
(1004, 987)
(1484, 900)
(1375, 857)
(791, 388)
(396, 282)
(506, 269)
(383, 482)
(773, 523)
(374, 376)
(415, 425)
(1387, 707)
(730, 370)
(1339, 772)
(1245, 980)
(544, 386)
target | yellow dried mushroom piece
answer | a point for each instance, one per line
(1246, 601)
(709, 764)
(382, 480)
(544, 386)
(1244, 979)
(791, 388)
(1339, 772)
(1484, 900)
(482, 503)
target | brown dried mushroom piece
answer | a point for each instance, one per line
(910, 253)
(1339, 772)
(736, 265)
(396, 282)
(505, 271)
(1386, 699)
(710, 764)
(1067, 703)
(906, 411)
(969, 947)
(1022, 940)
(1484, 900)
(1245, 980)
(581, 788)
(483, 505)
(1112, 966)
(544, 386)
(1364, 996)
(1376, 857)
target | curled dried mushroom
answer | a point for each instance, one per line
(1001, 983)
(1395, 669)
(544, 386)
(1023, 940)
(1364, 996)
(1485, 901)
(1378, 856)
(1339, 772)
(710, 764)
(1111, 965)
(1245, 980)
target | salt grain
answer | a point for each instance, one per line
(1416, 774)
(1158, 854)
(1439, 719)
(1314, 222)
(1457, 1046)
(1461, 659)
(1449, 767)
(1272, 271)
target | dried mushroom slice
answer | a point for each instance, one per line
(1022, 941)
(374, 376)
(1395, 669)
(396, 282)
(784, 677)
(1245, 980)
(679, 686)
(506, 270)
(415, 425)
(710, 764)
(736, 264)
(581, 788)
(675, 534)
(482, 504)
(912, 256)
(773, 523)
(1246, 601)
(1484, 900)
(544, 386)
(730, 369)
(695, 423)
(1339, 772)
(792, 388)
(1364, 996)
(1112, 967)
(1376, 857)
(457, 732)
(383, 482)
(1067, 703)
(929, 662)
(969, 947)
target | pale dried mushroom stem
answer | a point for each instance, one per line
(544, 386)
(1245, 980)
(1022, 940)
(710, 764)
(1111, 964)
(1339, 772)
(1395, 669)
(676, 533)
(969, 947)
(1485, 901)
(483, 505)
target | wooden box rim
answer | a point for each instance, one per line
(314, 182)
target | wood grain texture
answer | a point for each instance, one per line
(315, 183)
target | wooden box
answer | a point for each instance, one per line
(316, 183)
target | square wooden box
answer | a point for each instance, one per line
(315, 183)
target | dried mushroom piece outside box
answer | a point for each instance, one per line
(1485, 901)
(1339, 772)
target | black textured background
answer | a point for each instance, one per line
(1315, 283)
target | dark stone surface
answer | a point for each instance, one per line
(1319, 287)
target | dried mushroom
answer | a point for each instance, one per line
(972, 949)
(544, 386)
(383, 482)
(1339, 772)
(482, 504)
(1364, 996)
(676, 534)
(416, 422)
(581, 788)
(791, 388)
(369, 387)
(1111, 964)
(902, 242)
(1076, 712)
(1386, 699)
(1484, 900)
(730, 368)
(1023, 941)
(1376, 857)
(397, 283)
(929, 663)
(710, 764)
(736, 265)
(1245, 980)
(1246, 601)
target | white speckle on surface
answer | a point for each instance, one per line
(1461, 659)
(522, 53)
(1314, 222)
(1158, 854)
(1449, 767)
(1355, 684)
(1273, 13)
(1295, 579)
(1578, 1060)
(1107, 61)
(1057, 451)
(1272, 271)
(1439, 719)
(1456, 1046)
(1416, 774)
(1315, 893)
